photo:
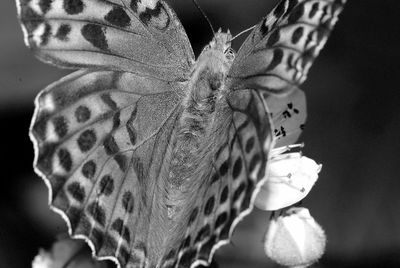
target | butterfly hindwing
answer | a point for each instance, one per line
(278, 53)
(102, 139)
(221, 190)
(288, 115)
(121, 35)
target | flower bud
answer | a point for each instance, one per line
(290, 178)
(294, 239)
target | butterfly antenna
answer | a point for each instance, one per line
(242, 32)
(204, 15)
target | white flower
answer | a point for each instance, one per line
(294, 239)
(290, 178)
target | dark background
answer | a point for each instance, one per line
(353, 129)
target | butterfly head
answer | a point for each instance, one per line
(221, 43)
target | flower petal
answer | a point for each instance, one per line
(290, 178)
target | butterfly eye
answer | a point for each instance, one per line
(230, 54)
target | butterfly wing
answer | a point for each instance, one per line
(102, 139)
(220, 190)
(288, 115)
(143, 37)
(235, 167)
(279, 52)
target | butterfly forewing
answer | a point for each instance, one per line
(278, 53)
(144, 38)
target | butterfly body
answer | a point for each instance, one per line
(152, 156)
(205, 93)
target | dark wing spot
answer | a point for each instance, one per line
(297, 13)
(297, 34)
(186, 242)
(120, 228)
(276, 59)
(273, 38)
(82, 114)
(60, 126)
(225, 231)
(106, 98)
(116, 120)
(280, 9)
(89, 169)
(205, 249)
(118, 17)
(126, 234)
(63, 31)
(74, 215)
(128, 202)
(121, 161)
(209, 206)
(131, 132)
(193, 215)
(117, 225)
(87, 140)
(65, 159)
(46, 35)
(203, 233)
(254, 161)
(239, 191)
(134, 5)
(97, 237)
(97, 212)
(214, 178)
(76, 191)
(95, 35)
(150, 16)
(237, 168)
(314, 10)
(110, 146)
(292, 4)
(171, 254)
(264, 28)
(73, 7)
(106, 185)
(224, 194)
(249, 144)
(124, 255)
(187, 258)
(57, 183)
(45, 5)
(223, 169)
(221, 219)
(45, 158)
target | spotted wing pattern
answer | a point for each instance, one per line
(278, 53)
(140, 36)
(222, 187)
(288, 115)
(100, 136)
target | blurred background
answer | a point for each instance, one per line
(353, 129)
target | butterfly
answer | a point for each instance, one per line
(150, 155)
